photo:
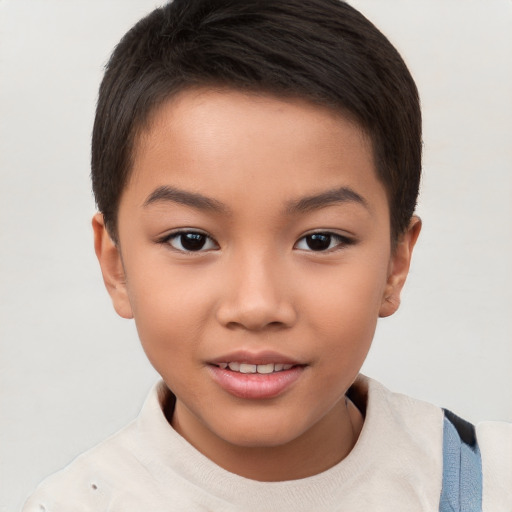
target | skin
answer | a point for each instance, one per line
(256, 285)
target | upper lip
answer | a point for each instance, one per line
(260, 357)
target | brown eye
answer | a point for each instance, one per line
(318, 241)
(321, 242)
(191, 241)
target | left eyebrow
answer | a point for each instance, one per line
(324, 199)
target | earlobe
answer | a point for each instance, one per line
(399, 268)
(112, 269)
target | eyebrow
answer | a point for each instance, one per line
(193, 199)
(303, 205)
(324, 199)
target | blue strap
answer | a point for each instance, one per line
(462, 467)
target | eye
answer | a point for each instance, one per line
(321, 242)
(191, 241)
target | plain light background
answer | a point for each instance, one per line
(71, 372)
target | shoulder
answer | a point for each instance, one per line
(422, 428)
(404, 438)
(417, 418)
(116, 470)
(88, 482)
(495, 442)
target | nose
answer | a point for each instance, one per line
(257, 296)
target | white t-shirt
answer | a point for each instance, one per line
(396, 465)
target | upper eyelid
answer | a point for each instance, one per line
(182, 231)
(331, 232)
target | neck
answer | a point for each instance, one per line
(323, 446)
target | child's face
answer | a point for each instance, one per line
(253, 231)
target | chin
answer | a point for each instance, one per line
(259, 433)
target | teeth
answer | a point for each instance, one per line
(247, 368)
(265, 368)
(255, 368)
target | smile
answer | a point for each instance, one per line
(255, 381)
(264, 369)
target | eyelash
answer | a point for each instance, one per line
(342, 241)
(316, 237)
(177, 235)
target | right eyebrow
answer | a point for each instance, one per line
(193, 199)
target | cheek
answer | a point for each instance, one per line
(345, 305)
(170, 308)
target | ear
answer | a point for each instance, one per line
(111, 264)
(399, 268)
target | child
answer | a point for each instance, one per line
(256, 165)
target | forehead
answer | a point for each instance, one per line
(228, 142)
(213, 110)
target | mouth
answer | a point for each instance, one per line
(256, 377)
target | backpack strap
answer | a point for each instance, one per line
(462, 466)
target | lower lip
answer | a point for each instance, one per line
(255, 386)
